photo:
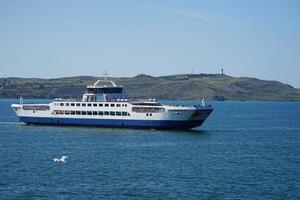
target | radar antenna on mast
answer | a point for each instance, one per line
(104, 82)
(105, 74)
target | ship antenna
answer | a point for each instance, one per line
(105, 74)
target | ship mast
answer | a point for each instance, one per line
(105, 75)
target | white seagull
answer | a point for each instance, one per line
(62, 159)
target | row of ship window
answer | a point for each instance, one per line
(73, 112)
(92, 104)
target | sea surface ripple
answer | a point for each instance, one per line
(245, 150)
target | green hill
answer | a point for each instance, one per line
(182, 86)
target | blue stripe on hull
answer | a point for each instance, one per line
(156, 124)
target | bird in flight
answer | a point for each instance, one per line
(62, 159)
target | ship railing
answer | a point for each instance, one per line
(79, 99)
(178, 105)
(202, 106)
(189, 106)
(70, 100)
(142, 100)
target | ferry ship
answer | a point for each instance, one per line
(105, 104)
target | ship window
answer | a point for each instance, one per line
(89, 104)
(83, 104)
(113, 113)
(106, 113)
(118, 113)
(100, 113)
(72, 112)
(112, 105)
(61, 112)
(147, 109)
(43, 108)
(95, 105)
(67, 112)
(95, 113)
(67, 104)
(61, 104)
(72, 104)
(77, 104)
(147, 114)
(150, 114)
(125, 105)
(89, 112)
(100, 105)
(125, 114)
(83, 112)
(78, 112)
(106, 105)
(118, 105)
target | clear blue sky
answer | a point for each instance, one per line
(56, 38)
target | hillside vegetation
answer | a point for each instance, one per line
(183, 86)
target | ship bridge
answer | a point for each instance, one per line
(104, 90)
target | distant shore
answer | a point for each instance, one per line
(214, 87)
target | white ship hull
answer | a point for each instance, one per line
(172, 117)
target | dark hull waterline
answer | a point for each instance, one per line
(114, 123)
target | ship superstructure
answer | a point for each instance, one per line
(105, 104)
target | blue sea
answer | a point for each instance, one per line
(245, 150)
